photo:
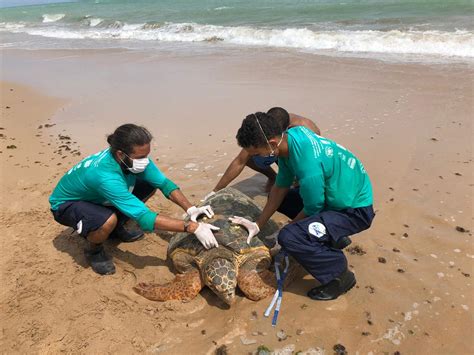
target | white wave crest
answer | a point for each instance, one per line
(95, 21)
(47, 18)
(223, 8)
(438, 43)
(11, 26)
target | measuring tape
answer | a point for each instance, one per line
(277, 297)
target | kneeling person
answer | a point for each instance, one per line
(258, 163)
(333, 200)
(98, 195)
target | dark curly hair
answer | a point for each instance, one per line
(282, 116)
(128, 136)
(250, 134)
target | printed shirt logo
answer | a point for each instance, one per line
(329, 152)
(317, 229)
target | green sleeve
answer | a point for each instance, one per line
(158, 180)
(285, 176)
(115, 191)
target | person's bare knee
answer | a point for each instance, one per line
(103, 232)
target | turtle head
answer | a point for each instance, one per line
(221, 277)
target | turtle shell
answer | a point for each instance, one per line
(227, 203)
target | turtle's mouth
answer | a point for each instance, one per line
(228, 297)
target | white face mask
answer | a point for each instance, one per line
(138, 165)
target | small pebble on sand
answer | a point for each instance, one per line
(339, 349)
(382, 260)
(461, 229)
(247, 341)
(222, 350)
(281, 335)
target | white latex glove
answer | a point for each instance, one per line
(212, 193)
(205, 236)
(251, 227)
(194, 212)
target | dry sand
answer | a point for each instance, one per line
(410, 125)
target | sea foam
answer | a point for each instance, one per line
(438, 43)
(47, 18)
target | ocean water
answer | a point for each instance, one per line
(404, 30)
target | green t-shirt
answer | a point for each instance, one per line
(99, 179)
(330, 176)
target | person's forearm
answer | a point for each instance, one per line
(178, 198)
(173, 224)
(232, 171)
(299, 216)
(275, 198)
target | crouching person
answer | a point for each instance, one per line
(98, 195)
(332, 203)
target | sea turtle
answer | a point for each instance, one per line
(234, 263)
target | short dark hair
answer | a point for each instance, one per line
(128, 136)
(281, 115)
(250, 134)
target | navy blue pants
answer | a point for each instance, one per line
(309, 240)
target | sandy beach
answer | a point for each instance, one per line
(410, 124)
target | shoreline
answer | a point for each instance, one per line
(410, 126)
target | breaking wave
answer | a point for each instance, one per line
(440, 43)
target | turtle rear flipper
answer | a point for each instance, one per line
(184, 287)
(255, 280)
(257, 285)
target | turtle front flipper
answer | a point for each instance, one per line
(184, 287)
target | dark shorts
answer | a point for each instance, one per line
(86, 217)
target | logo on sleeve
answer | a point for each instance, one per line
(317, 229)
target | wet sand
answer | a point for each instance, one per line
(410, 125)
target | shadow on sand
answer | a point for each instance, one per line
(69, 242)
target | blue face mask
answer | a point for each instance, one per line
(264, 162)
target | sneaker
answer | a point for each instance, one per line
(333, 289)
(125, 236)
(341, 243)
(99, 261)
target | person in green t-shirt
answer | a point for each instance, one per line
(333, 199)
(258, 163)
(98, 195)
